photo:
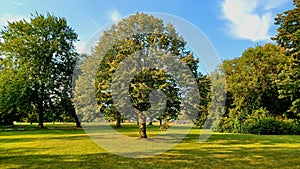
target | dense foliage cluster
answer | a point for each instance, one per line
(37, 59)
(144, 34)
(263, 87)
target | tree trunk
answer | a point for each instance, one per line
(40, 105)
(160, 122)
(41, 120)
(142, 127)
(77, 121)
(40, 114)
(118, 123)
(151, 123)
(78, 124)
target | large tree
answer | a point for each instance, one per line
(138, 33)
(288, 37)
(41, 51)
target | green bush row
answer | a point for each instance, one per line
(264, 126)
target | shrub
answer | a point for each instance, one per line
(273, 125)
(259, 122)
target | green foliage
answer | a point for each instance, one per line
(251, 84)
(260, 122)
(15, 95)
(143, 83)
(288, 37)
(204, 86)
(263, 84)
(31, 118)
(273, 126)
(41, 55)
(138, 33)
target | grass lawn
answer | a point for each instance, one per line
(63, 146)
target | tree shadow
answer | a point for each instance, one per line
(219, 151)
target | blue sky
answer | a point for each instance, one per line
(231, 25)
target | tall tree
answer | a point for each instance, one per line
(136, 33)
(288, 37)
(42, 52)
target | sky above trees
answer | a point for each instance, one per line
(231, 25)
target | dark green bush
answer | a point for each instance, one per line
(261, 125)
(273, 126)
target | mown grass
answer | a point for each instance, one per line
(63, 146)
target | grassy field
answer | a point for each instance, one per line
(63, 146)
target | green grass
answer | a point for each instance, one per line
(63, 146)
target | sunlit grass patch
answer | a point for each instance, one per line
(72, 148)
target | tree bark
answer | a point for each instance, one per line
(41, 120)
(118, 123)
(142, 127)
(78, 124)
(40, 111)
(40, 105)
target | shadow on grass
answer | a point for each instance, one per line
(219, 151)
(207, 158)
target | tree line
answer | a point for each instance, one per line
(263, 84)
(38, 59)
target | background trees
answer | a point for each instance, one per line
(15, 95)
(263, 84)
(38, 58)
(251, 85)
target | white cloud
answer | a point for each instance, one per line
(10, 18)
(18, 4)
(271, 4)
(114, 15)
(244, 20)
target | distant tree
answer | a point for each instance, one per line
(204, 85)
(84, 94)
(288, 37)
(42, 53)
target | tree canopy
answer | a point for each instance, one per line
(288, 37)
(139, 33)
(37, 62)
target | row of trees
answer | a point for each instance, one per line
(263, 85)
(37, 62)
